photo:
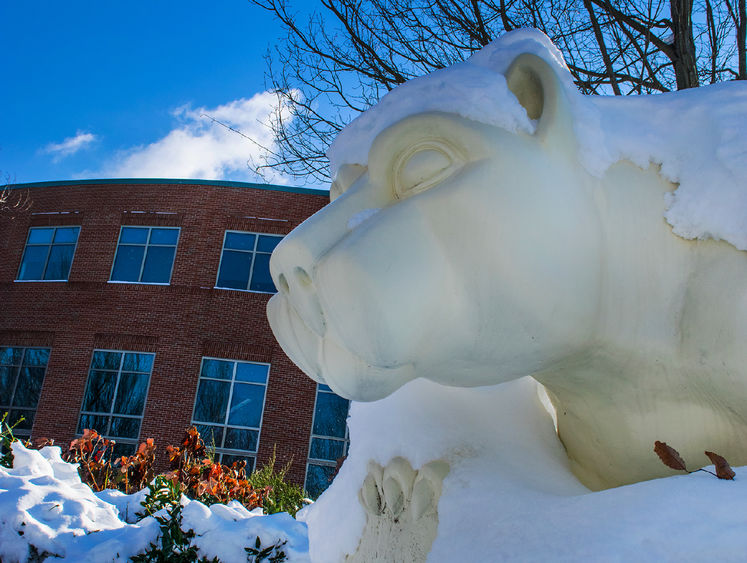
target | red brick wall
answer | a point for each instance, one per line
(180, 322)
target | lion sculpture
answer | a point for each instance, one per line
(472, 250)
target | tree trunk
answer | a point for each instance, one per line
(742, 40)
(685, 69)
(602, 48)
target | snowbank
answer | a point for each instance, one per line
(697, 136)
(528, 505)
(44, 504)
(528, 508)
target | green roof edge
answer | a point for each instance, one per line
(221, 183)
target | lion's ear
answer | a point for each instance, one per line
(539, 91)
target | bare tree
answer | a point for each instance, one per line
(12, 200)
(340, 60)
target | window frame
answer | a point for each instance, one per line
(111, 414)
(17, 369)
(346, 440)
(49, 251)
(145, 253)
(253, 252)
(220, 451)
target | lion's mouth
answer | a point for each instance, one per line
(299, 343)
(326, 361)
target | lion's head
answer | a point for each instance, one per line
(463, 251)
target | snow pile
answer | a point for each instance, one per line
(224, 530)
(44, 504)
(697, 136)
(510, 495)
(527, 506)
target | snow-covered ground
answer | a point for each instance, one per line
(528, 508)
(44, 504)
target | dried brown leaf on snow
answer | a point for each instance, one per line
(669, 456)
(723, 470)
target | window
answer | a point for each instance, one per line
(145, 254)
(245, 262)
(228, 408)
(115, 396)
(21, 377)
(329, 439)
(49, 253)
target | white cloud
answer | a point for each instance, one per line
(69, 146)
(201, 148)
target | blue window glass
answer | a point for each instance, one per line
(48, 254)
(261, 279)
(245, 262)
(131, 393)
(253, 373)
(239, 241)
(99, 391)
(137, 362)
(239, 439)
(41, 235)
(66, 235)
(329, 439)
(115, 394)
(217, 369)
(145, 254)
(22, 373)
(164, 236)
(158, 263)
(133, 235)
(127, 263)
(322, 448)
(106, 360)
(246, 405)
(124, 428)
(212, 398)
(330, 415)
(229, 406)
(318, 478)
(235, 268)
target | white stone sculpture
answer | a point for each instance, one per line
(473, 246)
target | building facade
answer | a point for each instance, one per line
(137, 308)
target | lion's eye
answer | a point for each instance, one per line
(422, 167)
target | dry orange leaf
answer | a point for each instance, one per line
(723, 470)
(669, 456)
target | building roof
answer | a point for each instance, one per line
(130, 181)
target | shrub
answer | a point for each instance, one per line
(192, 470)
(282, 496)
(6, 439)
(271, 554)
(93, 454)
(137, 470)
(164, 502)
(210, 482)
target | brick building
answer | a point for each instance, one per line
(137, 307)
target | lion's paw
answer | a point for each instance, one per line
(401, 506)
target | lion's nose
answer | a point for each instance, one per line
(295, 260)
(292, 271)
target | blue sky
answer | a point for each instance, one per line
(111, 88)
